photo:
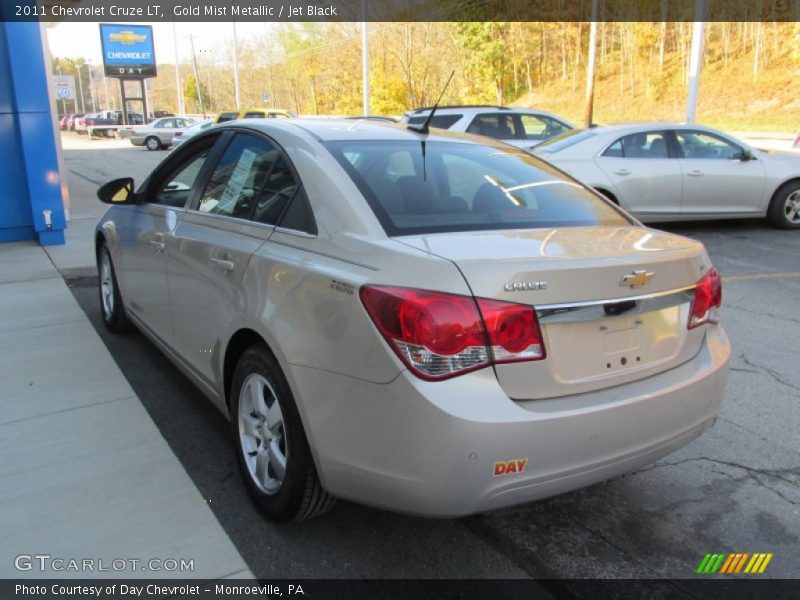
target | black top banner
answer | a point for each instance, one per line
(398, 10)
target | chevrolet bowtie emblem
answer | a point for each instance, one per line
(127, 37)
(637, 279)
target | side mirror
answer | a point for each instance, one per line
(118, 191)
(745, 155)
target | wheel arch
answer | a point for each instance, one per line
(238, 343)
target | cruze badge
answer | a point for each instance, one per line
(637, 279)
(522, 286)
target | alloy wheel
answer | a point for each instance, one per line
(792, 207)
(106, 284)
(262, 434)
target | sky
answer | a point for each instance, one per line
(76, 40)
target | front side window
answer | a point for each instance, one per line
(448, 186)
(701, 144)
(540, 127)
(174, 188)
(238, 177)
(500, 126)
(639, 145)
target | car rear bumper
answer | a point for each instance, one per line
(431, 448)
(137, 141)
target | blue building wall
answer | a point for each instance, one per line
(30, 182)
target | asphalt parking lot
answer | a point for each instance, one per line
(735, 489)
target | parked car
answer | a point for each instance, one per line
(519, 127)
(438, 324)
(101, 123)
(71, 121)
(192, 130)
(80, 123)
(160, 133)
(679, 172)
(254, 113)
(63, 122)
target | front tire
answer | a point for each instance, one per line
(784, 209)
(111, 306)
(270, 443)
(153, 143)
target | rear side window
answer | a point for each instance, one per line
(465, 187)
(639, 145)
(540, 127)
(254, 115)
(229, 116)
(501, 126)
(234, 186)
(440, 121)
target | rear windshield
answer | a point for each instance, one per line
(450, 186)
(440, 121)
(565, 140)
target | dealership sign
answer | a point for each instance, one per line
(128, 51)
(64, 86)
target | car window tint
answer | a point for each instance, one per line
(278, 189)
(230, 116)
(254, 115)
(465, 187)
(299, 216)
(177, 185)
(440, 121)
(699, 144)
(639, 145)
(238, 176)
(500, 126)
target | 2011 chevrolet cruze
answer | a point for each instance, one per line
(428, 322)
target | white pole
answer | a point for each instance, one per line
(91, 86)
(178, 90)
(80, 89)
(105, 91)
(146, 101)
(365, 64)
(236, 67)
(695, 61)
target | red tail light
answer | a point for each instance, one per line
(707, 300)
(178, 133)
(440, 335)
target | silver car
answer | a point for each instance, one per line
(431, 323)
(521, 127)
(160, 133)
(679, 172)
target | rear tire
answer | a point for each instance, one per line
(270, 442)
(152, 143)
(111, 307)
(784, 208)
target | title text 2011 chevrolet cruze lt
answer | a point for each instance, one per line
(428, 322)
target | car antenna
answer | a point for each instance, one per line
(425, 126)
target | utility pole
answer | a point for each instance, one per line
(197, 78)
(236, 68)
(590, 68)
(178, 89)
(365, 59)
(91, 86)
(80, 88)
(696, 59)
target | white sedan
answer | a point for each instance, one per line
(672, 172)
(192, 130)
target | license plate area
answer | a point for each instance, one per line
(607, 347)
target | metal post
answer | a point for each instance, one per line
(695, 60)
(178, 89)
(80, 89)
(365, 63)
(197, 78)
(91, 86)
(105, 91)
(590, 68)
(236, 67)
(143, 84)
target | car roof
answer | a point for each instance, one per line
(326, 130)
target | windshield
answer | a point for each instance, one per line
(565, 140)
(432, 187)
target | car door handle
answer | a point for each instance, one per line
(694, 173)
(222, 264)
(622, 172)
